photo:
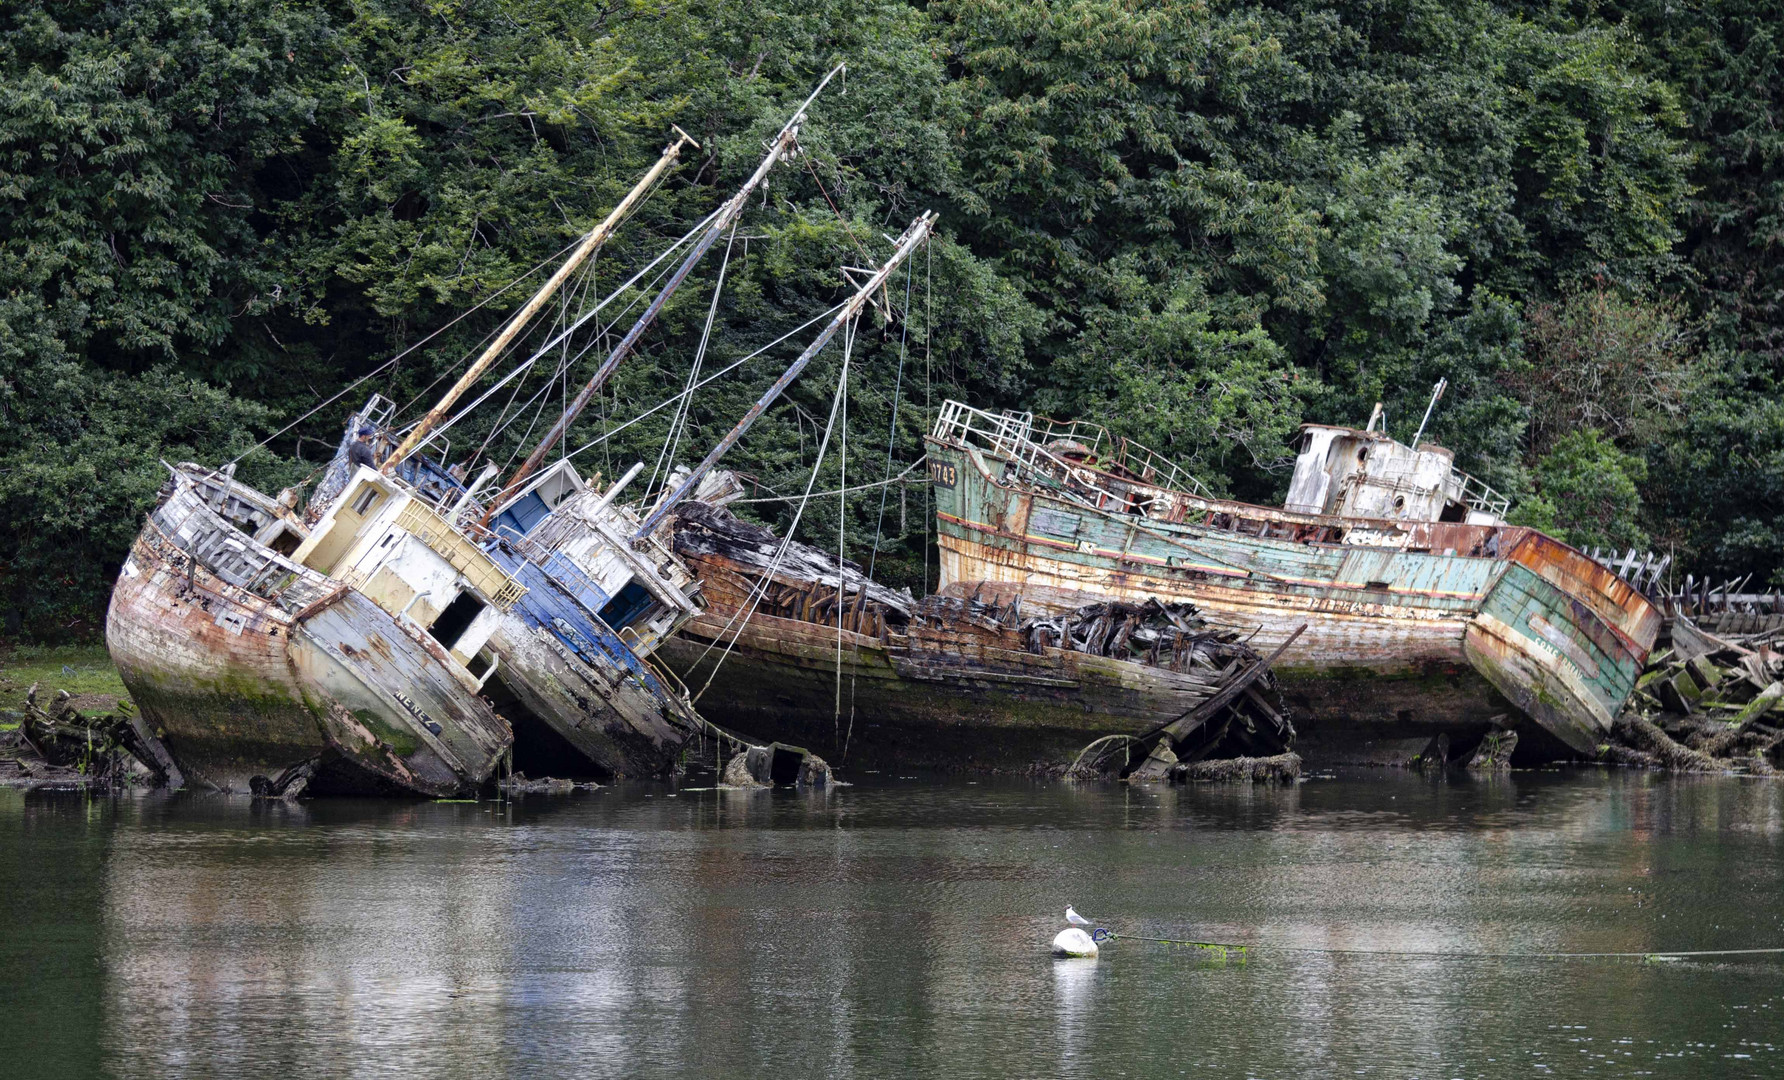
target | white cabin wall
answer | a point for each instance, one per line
(477, 635)
(1311, 487)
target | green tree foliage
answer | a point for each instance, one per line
(1586, 493)
(1598, 360)
(1202, 223)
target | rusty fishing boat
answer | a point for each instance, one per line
(798, 645)
(540, 600)
(569, 665)
(1426, 613)
(262, 672)
(563, 662)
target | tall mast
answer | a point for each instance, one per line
(515, 325)
(727, 214)
(913, 237)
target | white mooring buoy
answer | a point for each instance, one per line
(1073, 942)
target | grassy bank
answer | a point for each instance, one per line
(86, 671)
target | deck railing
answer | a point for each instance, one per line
(1476, 495)
(1040, 444)
(416, 519)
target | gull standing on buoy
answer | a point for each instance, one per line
(1076, 919)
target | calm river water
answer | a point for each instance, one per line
(898, 928)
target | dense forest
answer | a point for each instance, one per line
(1201, 222)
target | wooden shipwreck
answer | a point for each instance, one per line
(563, 657)
(799, 646)
(1419, 600)
(261, 672)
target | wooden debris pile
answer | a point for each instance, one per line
(59, 747)
(1708, 704)
(804, 583)
(1172, 636)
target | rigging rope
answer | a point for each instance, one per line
(760, 591)
(521, 369)
(928, 400)
(634, 212)
(842, 518)
(892, 428)
(345, 390)
(835, 491)
(666, 402)
(672, 441)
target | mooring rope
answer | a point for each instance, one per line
(1228, 947)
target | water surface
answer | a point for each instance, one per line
(898, 928)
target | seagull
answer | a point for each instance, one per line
(1076, 919)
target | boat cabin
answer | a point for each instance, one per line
(1346, 472)
(545, 493)
(382, 538)
(642, 592)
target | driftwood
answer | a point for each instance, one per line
(56, 744)
(1495, 750)
(1669, 753)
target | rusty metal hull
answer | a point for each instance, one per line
(1386, 603)
(242, 687)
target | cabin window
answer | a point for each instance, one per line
(367, 499)
(1399, 504)
(1362, 454)
(456, 619)
(627, 606)
(478, 665)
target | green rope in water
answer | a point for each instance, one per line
(1226, 948)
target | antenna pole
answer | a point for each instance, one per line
(914, 236)
(1436, 396)
(515, 325)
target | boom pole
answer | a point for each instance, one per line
(525, 315)
(913, 237)
(728, 214)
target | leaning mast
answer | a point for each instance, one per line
(783, 143)
(594, 240)
(913, 237)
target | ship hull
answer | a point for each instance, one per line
(241, 688)
(587, 700)
(1438, 632)
(954, 697)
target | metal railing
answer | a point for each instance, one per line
(1041, 445)
(416, 519)
(1476, 495)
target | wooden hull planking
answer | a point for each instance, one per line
(607, 717)
(1560, 636)
(582, 681)
(929, 698)
(243, 688)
